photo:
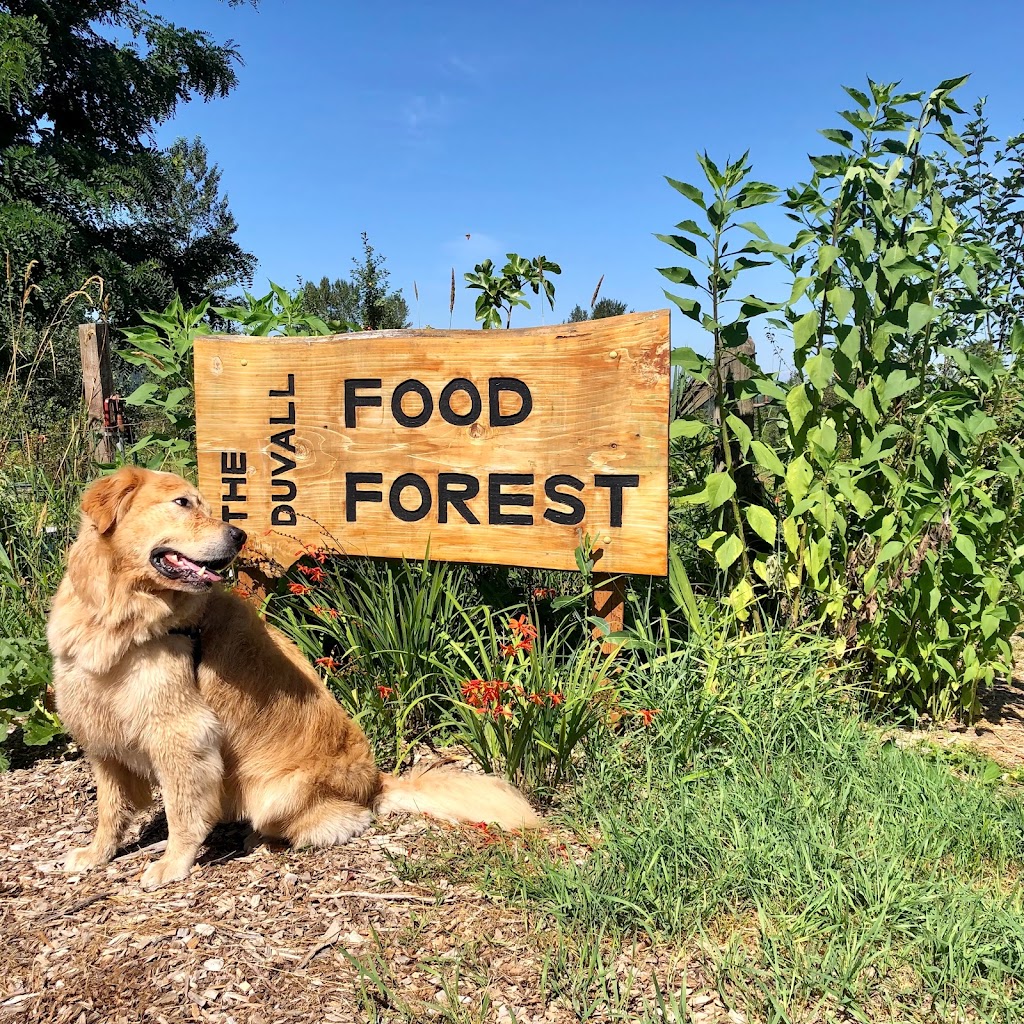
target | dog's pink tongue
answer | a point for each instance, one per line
(200, 570)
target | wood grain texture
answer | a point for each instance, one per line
(97, 382)
(599, 390)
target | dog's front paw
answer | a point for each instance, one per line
(164, 871)
(83, 859)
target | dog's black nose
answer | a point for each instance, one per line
(237, 536)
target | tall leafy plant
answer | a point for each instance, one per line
(501, 293)
(162, 349)
(897, 513)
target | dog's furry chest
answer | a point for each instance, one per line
(133, 708)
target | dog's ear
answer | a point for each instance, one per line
(107, 500)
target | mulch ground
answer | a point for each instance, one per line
(269, 935)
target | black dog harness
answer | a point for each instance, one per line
(195, 634)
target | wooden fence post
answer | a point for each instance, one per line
(97, 383)
(608, 601)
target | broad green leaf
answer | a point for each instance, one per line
(889, 551)
(791, 535)
(805, 330)
(680, 242)
(919, 315)
(767, 459)
(823, 436)
(719, 488)
(142, 394)
(762, 522)
(728, 551)
(799, 476)
(689, 307)
(688, 427)
(841, 301)
(691, 192)
(896, 385)
(965, 545)
(741, 598)
(798, 405)
(695, 365)
(679, 275)
(708, 543)
(865, 239)
(741, 432)
(770, 388)
(827, 255)
(819, 370)
(969, 276)
(691, 227)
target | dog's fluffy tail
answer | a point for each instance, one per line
(457, 796)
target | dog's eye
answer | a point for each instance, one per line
(183, 502)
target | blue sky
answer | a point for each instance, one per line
(425, 123)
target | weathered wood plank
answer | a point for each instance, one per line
(305, 439)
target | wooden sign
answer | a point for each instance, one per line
(496, 446)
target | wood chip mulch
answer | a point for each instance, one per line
(269, 935)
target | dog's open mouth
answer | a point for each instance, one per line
(176, 566)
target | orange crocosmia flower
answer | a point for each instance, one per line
(333, 612)
(317, 610)
(647, 714)
(502, 710)
(525, 645)
(314, 572)
(328, 663)
(385, 691)
(522, 627)
(542, 593)
(298, 588)
(507, 650)
(536, 698)
(556, 698)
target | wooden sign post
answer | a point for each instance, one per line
(510, 447)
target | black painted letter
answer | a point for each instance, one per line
(354, 401)
(496, 499)
(354, 495)
(456, 489)
(395, 498)
(616, 482)
(552, 493)
(400, 415)
(495, 386)
(475, 405)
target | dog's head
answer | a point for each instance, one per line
(159, 530)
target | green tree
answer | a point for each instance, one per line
(379, 309)
(83, 189)
(607, 307)
(335, 301)
(601, 309)
(985, 190)
(362, 303)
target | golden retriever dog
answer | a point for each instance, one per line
(164, 678)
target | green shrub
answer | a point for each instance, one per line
(897, 521)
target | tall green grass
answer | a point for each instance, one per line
(825, 870)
